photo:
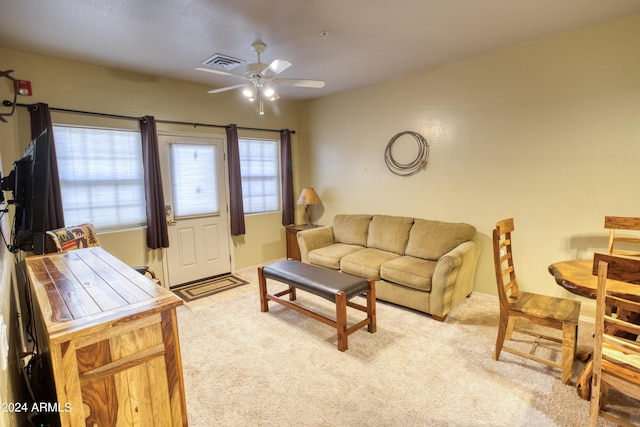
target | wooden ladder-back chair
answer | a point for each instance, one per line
(617, 223)
(551, 312)
(82, 236)
(616, 353)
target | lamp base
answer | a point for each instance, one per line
(307, 215)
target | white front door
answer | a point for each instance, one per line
(196, 207)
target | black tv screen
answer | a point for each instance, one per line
(29, 183)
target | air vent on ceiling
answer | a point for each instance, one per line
(222, 62)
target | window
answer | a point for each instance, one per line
(260, 170)
(101, 176)
(193, 179)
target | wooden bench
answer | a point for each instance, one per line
(326, 283)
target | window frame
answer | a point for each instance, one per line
(141, 203)
(278, 176)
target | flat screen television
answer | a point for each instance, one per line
(29, 184)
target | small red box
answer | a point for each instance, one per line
(23, 87)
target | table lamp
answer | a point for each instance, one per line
(308, 197)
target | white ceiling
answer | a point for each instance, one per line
(368, 40)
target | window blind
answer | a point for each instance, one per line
(101, 176)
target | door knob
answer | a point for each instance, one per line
(169, 213)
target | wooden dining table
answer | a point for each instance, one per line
(577, 276)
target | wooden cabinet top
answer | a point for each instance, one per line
(88, 290)
(300, 227)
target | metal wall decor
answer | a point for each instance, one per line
(412, 167)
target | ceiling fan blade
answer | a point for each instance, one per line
(276, 67)
(222, 73)
(300, 83)
(224, 89)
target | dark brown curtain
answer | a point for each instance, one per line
(287, 178)
(41, 120)
(236, 208)
(157, 233)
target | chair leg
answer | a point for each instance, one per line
(502, 330)
(510, 327)
(594, 406)
(569, 338)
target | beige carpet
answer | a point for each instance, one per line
(243, 367)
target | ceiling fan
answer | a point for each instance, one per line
(260, 77)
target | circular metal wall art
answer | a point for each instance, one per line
(412, 167)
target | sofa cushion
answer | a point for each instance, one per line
(389, 233)
(366, 263)
(351, 229)
(409, 271)
(329, 256)
(432, 239)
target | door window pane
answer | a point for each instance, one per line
(194, 182)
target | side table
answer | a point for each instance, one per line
(293, 250)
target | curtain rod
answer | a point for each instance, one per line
(116, 116)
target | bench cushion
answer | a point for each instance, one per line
(320, 281)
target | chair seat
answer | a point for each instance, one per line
(547, 307)
(614, 356)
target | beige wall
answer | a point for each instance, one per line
(547, 133)
(71, 85)
(10, 390)
(76, 86)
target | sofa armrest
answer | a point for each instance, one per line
(454, 277)
(314, 238)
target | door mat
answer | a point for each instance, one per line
(210, 286)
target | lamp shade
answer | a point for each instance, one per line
(308, 196)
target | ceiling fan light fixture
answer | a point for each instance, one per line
(268, 91)
(249, 92)
(259, 78)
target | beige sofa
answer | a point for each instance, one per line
(421, 264)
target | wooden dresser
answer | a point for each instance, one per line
(112, 338)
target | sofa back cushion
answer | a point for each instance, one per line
(432, 239)
(351, 229)
(389, 233)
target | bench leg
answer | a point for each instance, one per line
(341, 320)
(262, 285)
(292, 293)
(371, 306)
